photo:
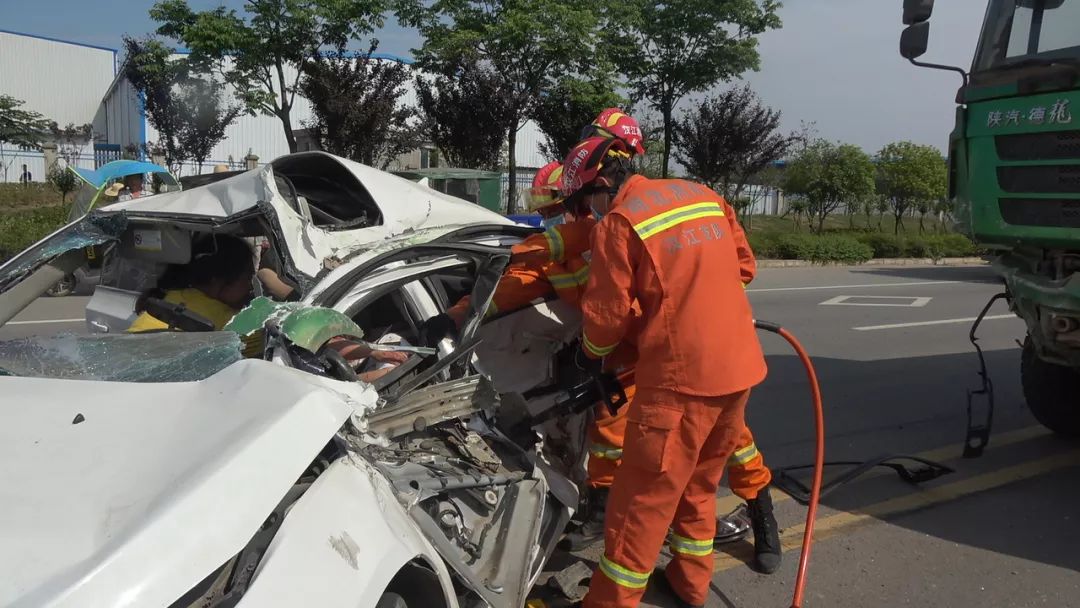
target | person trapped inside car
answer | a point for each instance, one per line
(215, 285)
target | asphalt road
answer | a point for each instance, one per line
(891, 350)
(892, 353)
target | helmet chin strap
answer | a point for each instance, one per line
(622, 170)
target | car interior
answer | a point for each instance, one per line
(318, 188)
(337, 200)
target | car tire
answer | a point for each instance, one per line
(1050, 391)
(391, 600)
(63, 287)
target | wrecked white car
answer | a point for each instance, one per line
(163, 469)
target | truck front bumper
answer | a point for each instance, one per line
(1049, 307)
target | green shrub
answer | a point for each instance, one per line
(934, 246)
(20, 229)
(763, 245)
(824, 248)
(957, 246)
(883, 245)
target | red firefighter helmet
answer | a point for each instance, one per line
(545, 187)
(613, 122)
(583, 164)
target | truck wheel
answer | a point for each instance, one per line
(1050, 391)
(391, 600)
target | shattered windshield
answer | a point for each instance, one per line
(153, 357)
(91, 230)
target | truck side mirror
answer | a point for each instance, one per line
(917, 11)
(913, 40)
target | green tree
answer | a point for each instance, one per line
(468, 134)
(153, 75)
(357, 109)
(71, 141)
(261, 52)
(797, 207)
(189, 111)
(828, 175)
(944, 208)
(63, 179)
(768, 181)
(667, 50)
(565, 108)
(650, 164)
(21, 127)
(527, 43)
(727, 139)
(205, 117)
(910, 175)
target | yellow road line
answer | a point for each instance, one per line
(726, 504)
(920, 499)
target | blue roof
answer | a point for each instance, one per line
(115, 169)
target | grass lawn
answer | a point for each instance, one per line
(18, 197)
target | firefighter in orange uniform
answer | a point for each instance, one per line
(672, 245)
(542, 262)
(748, 476)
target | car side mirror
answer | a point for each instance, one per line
(917, 11)
(913, 40)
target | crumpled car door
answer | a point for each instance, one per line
(494, 509)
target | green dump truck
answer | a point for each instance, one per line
(1014, 177)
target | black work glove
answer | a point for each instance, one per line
(435, 329)
(586, 364)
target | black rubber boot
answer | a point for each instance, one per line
(659, 582)
(592, 529)
(767, 550)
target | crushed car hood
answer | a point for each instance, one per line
(122, 494)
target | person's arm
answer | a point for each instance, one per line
(374, 374)
(355, 350)
(277, 288)
(556, 244)
(747, 261)
(610, 292)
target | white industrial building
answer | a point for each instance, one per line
(73, 83)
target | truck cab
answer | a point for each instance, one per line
(1014, 179)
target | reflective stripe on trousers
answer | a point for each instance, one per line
(690, 546)
(743, 455)
(608, 452)
(624, 577)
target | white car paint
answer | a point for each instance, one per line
(158, 485)
(340, 545)
(405, 207)
(163, 483)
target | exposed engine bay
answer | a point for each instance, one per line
(490, 478)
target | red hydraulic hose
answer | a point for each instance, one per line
(819, 456)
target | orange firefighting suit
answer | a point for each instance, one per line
(551, 259)
(556, 259)
(674, 247)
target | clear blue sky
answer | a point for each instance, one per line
(835, 62)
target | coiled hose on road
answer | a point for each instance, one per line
(819, 455)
